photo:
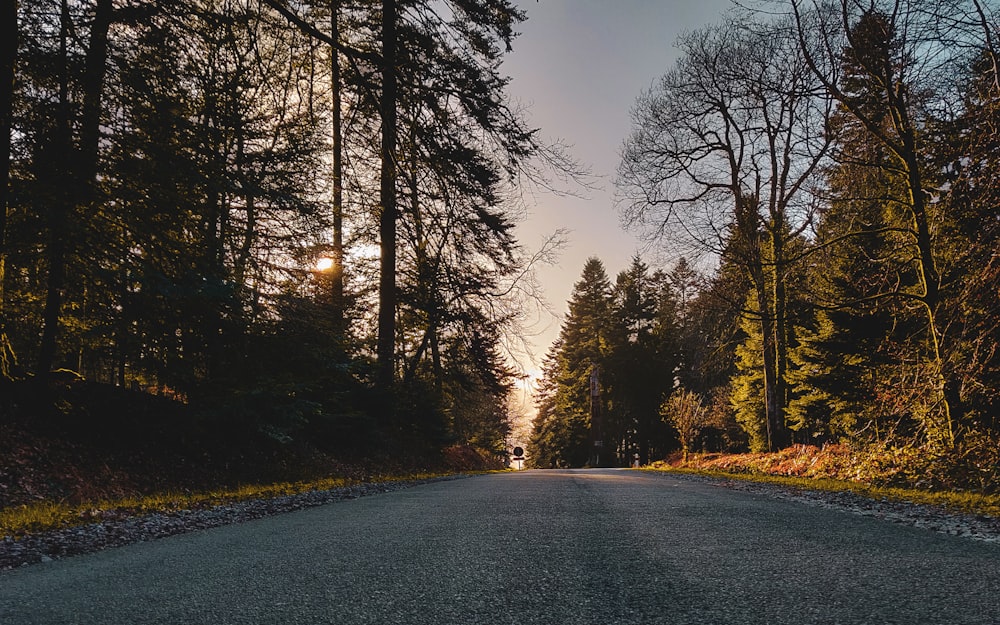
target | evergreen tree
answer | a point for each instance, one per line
(562, 429)
(747, 385)
(872, 260)
(967, 150)
(641, 362)
(887, 75)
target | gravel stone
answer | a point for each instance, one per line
(933, 518)
(118, 530)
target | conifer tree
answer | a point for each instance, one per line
(969, 147)
(748, 384)
(562, 427)
(642, 360)
(886, 68)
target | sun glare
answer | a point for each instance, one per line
(323, 264)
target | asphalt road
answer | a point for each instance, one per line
(550, 547)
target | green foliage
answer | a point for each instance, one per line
(642, 360)
(562, 426)
(629, 332)
(747, 386)
(179, 179)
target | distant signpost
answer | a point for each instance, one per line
(519, 456)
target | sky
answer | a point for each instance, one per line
(578, 67)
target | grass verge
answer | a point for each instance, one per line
(18, 521)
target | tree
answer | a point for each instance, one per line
(860, 255)
(561, 433)
(642, 360)
(8, 60)
(970, 159)
(748, 386)
(684, 410)
(722, 160)
(894, 55)
(387, 201)
(339, 301)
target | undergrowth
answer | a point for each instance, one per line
(968, 502)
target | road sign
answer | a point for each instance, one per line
(518, 452)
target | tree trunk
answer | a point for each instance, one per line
(387, 222)
(755, 262)
(779, 302)
(95, 71)
(338, 181)
(77, 168)
(942, 431)
(7, 62)
(61, 207)
(772, 404)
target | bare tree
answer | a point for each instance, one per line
(723, 159)
(684, 410)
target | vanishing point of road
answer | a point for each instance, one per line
(598, 547)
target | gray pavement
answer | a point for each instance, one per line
(599, 547)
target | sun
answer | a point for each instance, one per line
(323, 264)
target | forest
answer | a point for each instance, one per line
(824, 176)
(293, 222)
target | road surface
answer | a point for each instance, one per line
(599, 547)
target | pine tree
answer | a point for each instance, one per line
(641, 362)
(884, 77)
(562, 429)
(966, 149)
(867, 340)
(747, 385)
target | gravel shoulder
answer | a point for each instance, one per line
(125, 530)
(932, 518)
(115, 532)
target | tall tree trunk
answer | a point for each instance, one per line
(426, 287)
(758, 266)
(387, 222)
(77, 167)
(61, 205)
(779, 302)
(95, 71)
(7, 63)
(772, 404)
(338, 178)
(941, 431)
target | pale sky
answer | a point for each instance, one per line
(578, 66)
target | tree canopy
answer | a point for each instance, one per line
(195, 192)
(830, 168)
